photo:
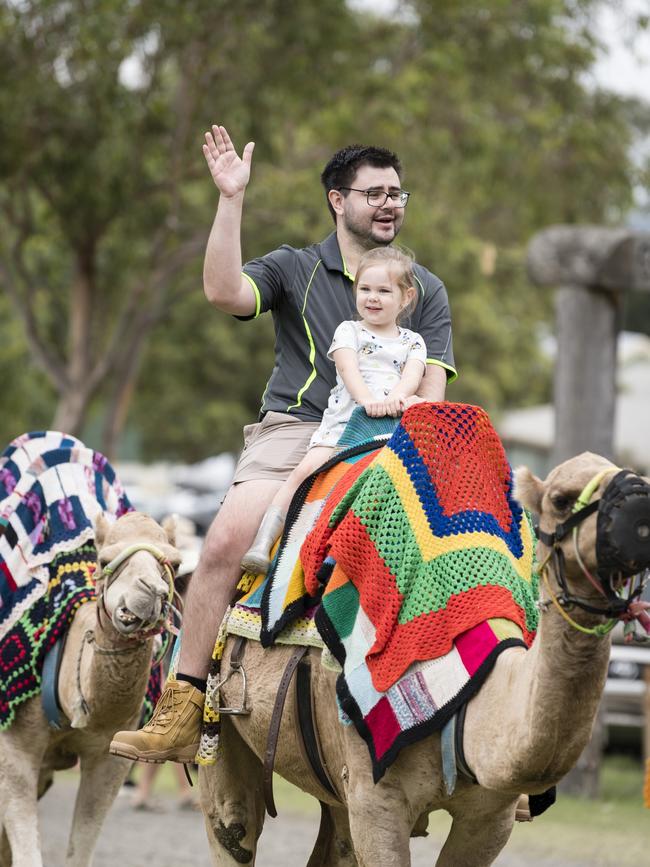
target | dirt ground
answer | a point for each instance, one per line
(173, 837)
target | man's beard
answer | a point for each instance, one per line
(365, 236)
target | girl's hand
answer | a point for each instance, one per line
(229, 173)
(374, 408)
(406, 402)
(393, 406)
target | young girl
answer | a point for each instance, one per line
(378, 365)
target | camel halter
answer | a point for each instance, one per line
(163, 622)
(619, 606)
(134, 639)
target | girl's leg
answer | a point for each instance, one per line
(256, 559)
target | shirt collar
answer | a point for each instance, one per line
(331, 255)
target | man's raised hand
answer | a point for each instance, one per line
(230, 173)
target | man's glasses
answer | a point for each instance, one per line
(378, 198)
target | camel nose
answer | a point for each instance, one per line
(623, 532)
(160, 589)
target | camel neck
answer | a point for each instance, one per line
(552, 692)
(103, 676)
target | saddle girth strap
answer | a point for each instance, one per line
(461, 762)
(307, 725)
(274, 729)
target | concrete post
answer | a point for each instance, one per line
(591, 266)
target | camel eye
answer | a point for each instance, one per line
(561, 502)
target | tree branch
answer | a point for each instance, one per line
(137, 318)
(50, 362)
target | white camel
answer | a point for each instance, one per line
(523, 731)
(103, 677)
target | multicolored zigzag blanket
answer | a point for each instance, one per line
(423, 564)
(51, 489)
(419, 565)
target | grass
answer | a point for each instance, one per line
(613, 831)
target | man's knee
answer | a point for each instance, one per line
(218, 548)
(231, 531)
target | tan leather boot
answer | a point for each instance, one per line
(256, 560)
(173, 732)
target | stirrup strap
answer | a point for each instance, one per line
(274, 729)
(307, 726)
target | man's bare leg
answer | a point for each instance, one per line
(173, 732)
(218, 571)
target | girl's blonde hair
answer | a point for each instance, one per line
(403, 260)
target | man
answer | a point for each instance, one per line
(309, 294)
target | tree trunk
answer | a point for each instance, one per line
(124, 382)
(71, 411)
(74, 396)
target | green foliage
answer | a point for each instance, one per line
(487, 104)
(223, 363)
(27, 400)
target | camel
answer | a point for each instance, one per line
(104, 672)
(523, 731)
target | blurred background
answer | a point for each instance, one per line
(509, 116)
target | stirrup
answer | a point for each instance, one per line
(243, 710)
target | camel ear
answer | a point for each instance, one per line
(101, 530)
(528, 489)
(169, 526)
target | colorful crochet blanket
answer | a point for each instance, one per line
(422, 562)
(419, 565)
(51, 489)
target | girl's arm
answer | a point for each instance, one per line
(347, 368)
(409, 381)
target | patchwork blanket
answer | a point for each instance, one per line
(419, 566)
(51, 489)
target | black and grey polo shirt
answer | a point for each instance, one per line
(309, 293)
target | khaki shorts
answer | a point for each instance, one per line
(273, 447)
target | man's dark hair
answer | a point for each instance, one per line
(342, 168)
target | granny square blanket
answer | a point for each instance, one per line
(51, 489)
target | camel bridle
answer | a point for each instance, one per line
(111, 570)
(622, 548)
(145, 630)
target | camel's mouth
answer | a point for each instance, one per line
(128, 623)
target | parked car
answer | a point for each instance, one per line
(624, 698)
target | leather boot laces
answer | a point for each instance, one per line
(163, 715)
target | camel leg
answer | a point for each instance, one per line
(5, 851)
(100, 780)
(21, 749)
(379, 826)
(232, 801)
(333, 847)
(20, 818)
(478, 833)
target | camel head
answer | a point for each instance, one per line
(137, 561)
(594, 522)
